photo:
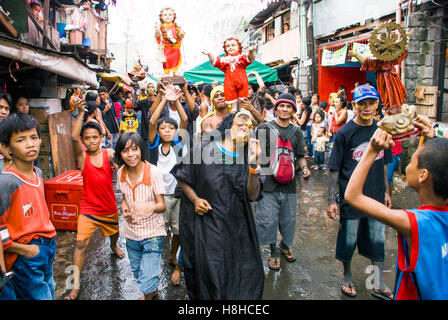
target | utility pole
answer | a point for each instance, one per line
(126, 44)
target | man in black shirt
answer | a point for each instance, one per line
(109, 116)
(144, 106)
(357, 230)
(278, 207)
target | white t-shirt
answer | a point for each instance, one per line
(174, 115)
(165, 164)
(350, 115)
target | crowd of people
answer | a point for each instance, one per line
(220, 181)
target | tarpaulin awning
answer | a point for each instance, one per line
(53, 61)
(207, 74)
(114, 77)
(145, 82)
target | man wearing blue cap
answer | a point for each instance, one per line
(357, 230)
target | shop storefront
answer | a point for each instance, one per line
(337, 68)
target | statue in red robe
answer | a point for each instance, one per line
(169, 37)
(399, 115)
(392, 91)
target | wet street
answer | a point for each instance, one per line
(316, 275)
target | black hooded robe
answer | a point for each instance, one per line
(220, 250)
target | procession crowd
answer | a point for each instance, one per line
(219, 180)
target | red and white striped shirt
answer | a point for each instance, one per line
(145, 190)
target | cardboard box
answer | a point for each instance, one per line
(75, 37)
(39, 114)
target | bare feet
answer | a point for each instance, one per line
(118, 252)
(175, 278)
(73, 295)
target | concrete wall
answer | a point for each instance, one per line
(286, 47)
(330, 15)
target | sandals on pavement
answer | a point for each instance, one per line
(385, 295)
(287, 254)
(274, 263)
(351, 292)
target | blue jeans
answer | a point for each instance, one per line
(319, 158)
(366, 233)
(392, 166)
(145, 256)
(308, 140)
(276, 210)
(33, 277)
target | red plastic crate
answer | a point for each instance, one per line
(63, 195)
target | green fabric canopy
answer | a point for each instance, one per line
(207, 74)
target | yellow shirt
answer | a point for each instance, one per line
(129, 123)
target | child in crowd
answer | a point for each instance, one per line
(21, 105)
(166, 144)
(5, 102)
(314, 106)
(98, 208)
(318, 121)
(93, 114)
(27, 234)
(233, 64)
(129, 120)
(118, 107)
(142, 187)
(138, 113)
(422, 271)
(319, 139)
(356, 85)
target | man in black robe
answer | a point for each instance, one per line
(220, 250)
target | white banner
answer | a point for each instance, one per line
(334, 58)
(363, 50)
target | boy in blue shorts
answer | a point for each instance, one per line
(422, 266)
(27, 234)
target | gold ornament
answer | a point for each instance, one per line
(388, 41)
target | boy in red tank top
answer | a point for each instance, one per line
(98, 206)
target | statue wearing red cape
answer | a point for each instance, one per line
(392, 91)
